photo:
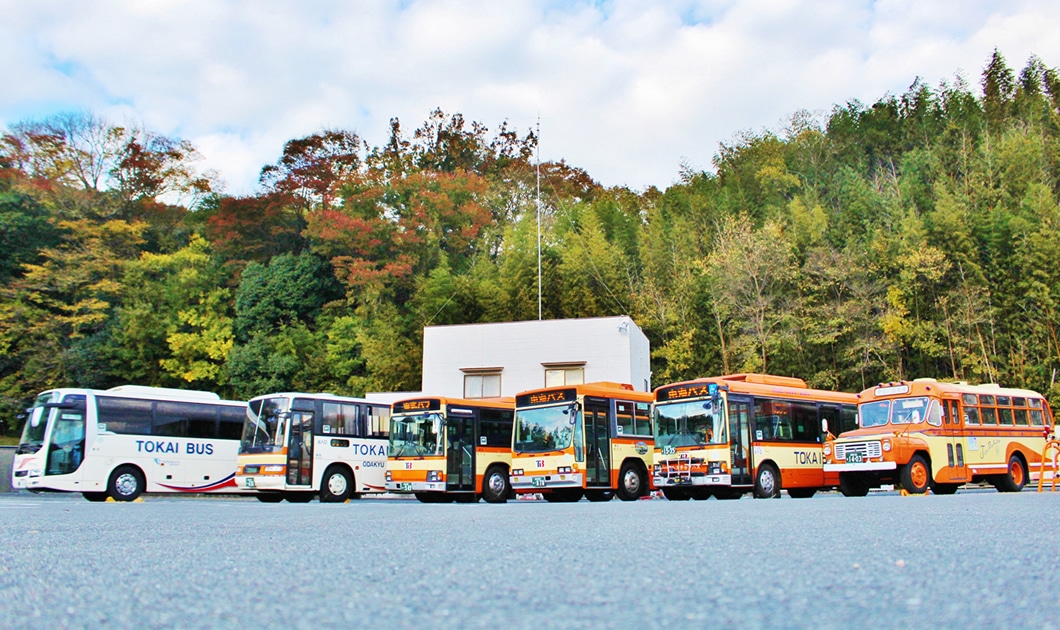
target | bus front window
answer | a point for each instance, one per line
(543, 429)
(416, 436)
(690, 423)
(874, 414)
(263, 429)
(36, 424)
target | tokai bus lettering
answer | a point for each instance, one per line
(162, 446)
(810, 457)
(372, 450)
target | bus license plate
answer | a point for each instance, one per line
(406, 487)
(855, 458)
(250, 482)
(538, 482)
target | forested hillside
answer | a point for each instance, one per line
(916, 236)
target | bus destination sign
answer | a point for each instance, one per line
(691, 390)
(409, 406)
(549, 397)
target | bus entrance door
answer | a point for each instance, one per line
(597, 443)
(954, 430)
(740, 445)
(460, 453)
(300, 449)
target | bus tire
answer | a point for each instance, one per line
(336, 485)
(126, 484)
(851, 485)
(631, 483)
(563, 496)
(916, 475)
(429, 497)
(95, 497)
(801, 493)
(945, 488)
(1016, 476)
(495, 485)
(298, 497)
(702, 494)
(269, 497)
(767, 482)
(676, 494)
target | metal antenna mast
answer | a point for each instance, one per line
(538, 203)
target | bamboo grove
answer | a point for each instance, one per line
(917, 236)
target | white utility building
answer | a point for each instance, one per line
(503, 359)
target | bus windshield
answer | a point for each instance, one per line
(690, 423)
(416, 436)
(263, 429)
(36, 423)
(900, 411)
(542, 429)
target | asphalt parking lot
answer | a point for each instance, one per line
(974, 559)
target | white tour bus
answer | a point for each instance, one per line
(127, 440)
(296, 445)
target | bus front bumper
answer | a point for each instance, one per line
(691, 482)
(261, 482)
(544, 482)
(863, 467)
(415, 486)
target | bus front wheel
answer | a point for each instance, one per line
(916, 475)
(630, 483)
(767, 482)
(126, 484)
(336, 485)
(495, 487)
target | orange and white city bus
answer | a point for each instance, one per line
(925, 434)
(297, 445)
(592, 440)
(728, 435)
(451, 449)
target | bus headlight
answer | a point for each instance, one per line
(563, 470)
(887, 445)
(434, 475)
(273, 468)
(827, 450)
(389, 477)
(35, 472)
(517, 472)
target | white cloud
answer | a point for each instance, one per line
(625, 89)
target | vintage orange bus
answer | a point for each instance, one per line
(592, 440)
(451, 449)
(728, 435)
(923, 434)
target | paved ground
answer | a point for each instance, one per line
(975, 559)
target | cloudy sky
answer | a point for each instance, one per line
(629, 90)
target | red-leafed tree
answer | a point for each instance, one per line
(314, 168)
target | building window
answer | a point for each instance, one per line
(482, 385)
(562, 374)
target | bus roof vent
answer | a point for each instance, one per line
(925, 380)
(766, 379)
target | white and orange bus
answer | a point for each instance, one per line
(451, 449)
(728, 435)
(923, 434)
(297, 445)
(592, 440)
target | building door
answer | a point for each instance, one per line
(740, 442)
(597, 443)
(300, 449)
(460, 452)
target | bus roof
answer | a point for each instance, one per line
(502, 402)
(930, 386)
(320, 396)
(752, 383)
(607, 389)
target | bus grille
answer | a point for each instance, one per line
(866, 449)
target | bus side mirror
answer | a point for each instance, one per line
(824, 426)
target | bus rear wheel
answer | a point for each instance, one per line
(336, 485)
(630, 483)
(495, 486)
(767, 482)
(916, 475)
(126, 484)
(1015, 478)
(676, 494)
